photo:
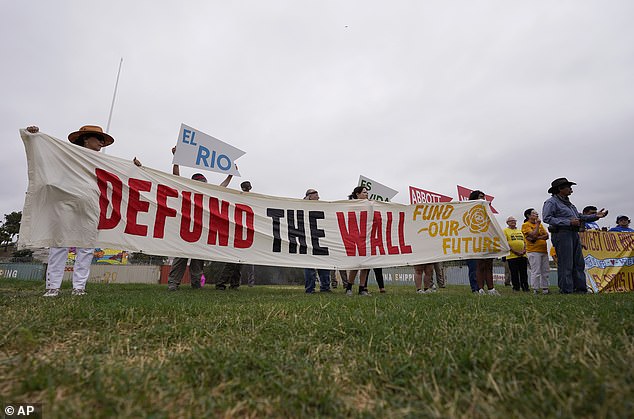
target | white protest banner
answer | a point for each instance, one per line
(421, 196)
(376, 191)
(463, 195)
(201, 151)
(78, 197)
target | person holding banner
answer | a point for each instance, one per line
(481, 270)
(536, 251)
(92, 138)
(310, 274)
(380, 281)
(360, 192)
(564, 222)
(622, 224)
(427, 270)
(249, 269)
(177, 270)
(440, 274)
(590, 225)
(231, 271)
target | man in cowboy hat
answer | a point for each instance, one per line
(564, 222)
(93, 138)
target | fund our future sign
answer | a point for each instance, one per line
(201, 151)
(377, 191)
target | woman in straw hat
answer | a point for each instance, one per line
(93, 138)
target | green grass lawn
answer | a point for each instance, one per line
(139, 351)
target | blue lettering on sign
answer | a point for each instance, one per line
(189, 134)
(227, 164)
(209, 159)
(203, 154)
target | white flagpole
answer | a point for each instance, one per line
(114, 96)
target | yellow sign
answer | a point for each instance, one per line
(476, 234)
(609, 259)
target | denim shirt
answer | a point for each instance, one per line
(558, 212)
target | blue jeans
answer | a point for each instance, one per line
(472, 265)
(310, 277)
(570, 264)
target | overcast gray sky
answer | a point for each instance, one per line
(502, 96)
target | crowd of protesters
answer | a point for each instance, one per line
(528, 246)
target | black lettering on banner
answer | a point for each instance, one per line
(276, 214)
(296, 233)
(316, 233)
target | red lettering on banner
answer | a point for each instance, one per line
(355, 233)
(188, 233)
(627, 241)
(218, 222)
(391, 250)
(162, 210)
(136, 205)
(192, 214)
(243, 211)
(405, 248)
(376, 235)
(103, 179)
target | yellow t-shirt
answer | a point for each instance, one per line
(538, 246)
(516, 241)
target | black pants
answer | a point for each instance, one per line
(231, 274)
(519, 274)
(378, 275)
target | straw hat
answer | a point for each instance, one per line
(90, 129)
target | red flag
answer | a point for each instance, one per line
(463, 195)
(421, 196)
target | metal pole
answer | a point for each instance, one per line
(114, 96)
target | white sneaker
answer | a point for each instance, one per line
(481, 291)
(364, 293)
(420, 291)
(78, 291)
(349, 293)
(545, 291)
(54, 292)
(494, 292)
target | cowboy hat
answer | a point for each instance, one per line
(557, 183)
(90, 129)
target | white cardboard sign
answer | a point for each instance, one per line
(377, 191)
(202, 151)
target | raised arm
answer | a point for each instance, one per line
(225, 182)
(176, 170)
